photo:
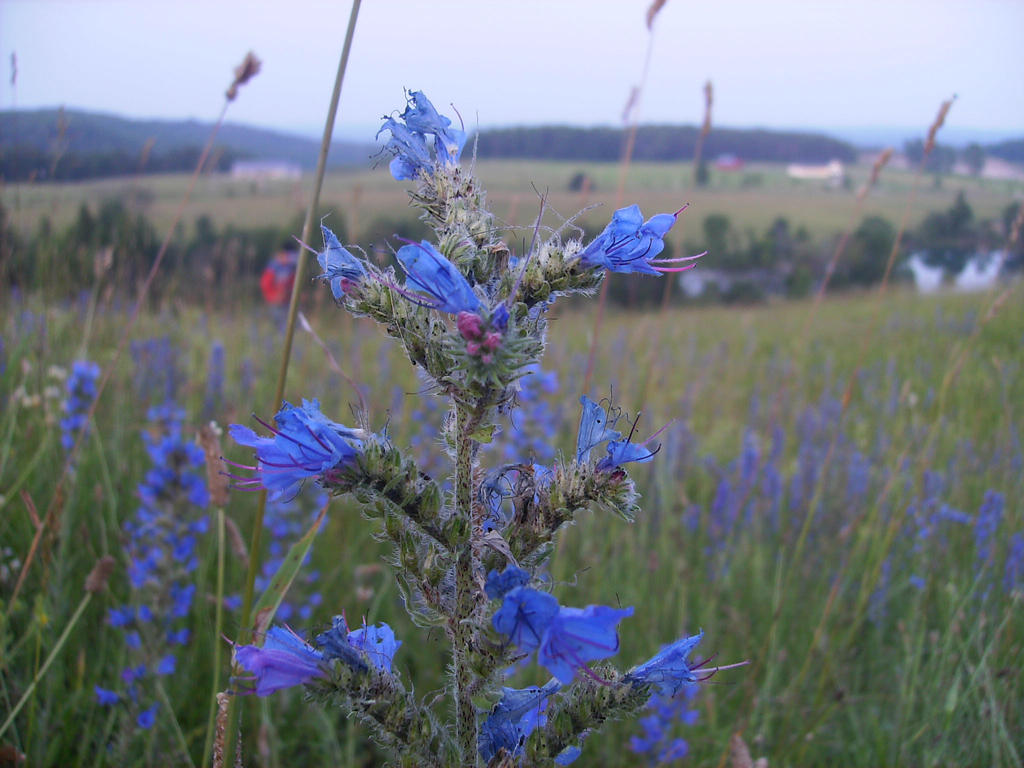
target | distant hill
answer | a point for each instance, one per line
(1011, 151)
(662, 142)
(95, 144)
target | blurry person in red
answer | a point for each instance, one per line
(278, 278)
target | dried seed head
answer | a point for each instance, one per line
(876, 169)
(100, 574)
(709, 97)
(244, 72)
(209, 441)
(940, 118)
(656, 6)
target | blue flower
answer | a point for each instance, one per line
(146, 718)
(106, 697)
(568, 755)
(420, 116)
(305, 444)
(595, 428)
(335, 644)
(578, 635)
(167, 665)
(408, 142)
(378, 643)
(411, 154)
(498, 584)
(430, 272)
(628, 244)
(81, 391)
(340, 268)
(513, 719)
(622, 451)
(565, 638)
(524, 616)
(669, 670)
(283, 661)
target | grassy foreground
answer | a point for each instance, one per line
(820, 506)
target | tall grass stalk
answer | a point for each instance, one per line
(631, 115)
(245, 631)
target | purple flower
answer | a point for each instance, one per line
(628, 244)
(578, 635)
(428, 271)
(525, 616)
(340, 268)
(283, 661)
(305, 444)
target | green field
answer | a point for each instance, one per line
(851, 663)
(359, 197)
(836, 498)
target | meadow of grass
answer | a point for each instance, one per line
(752, 198)
(823, 505)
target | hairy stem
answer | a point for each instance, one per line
(465, 589)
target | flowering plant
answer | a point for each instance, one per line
(472, 314)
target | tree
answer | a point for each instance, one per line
(974, 157)
(948, 238)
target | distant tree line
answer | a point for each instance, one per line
(30, 164)
(114, 242)
(661, 142)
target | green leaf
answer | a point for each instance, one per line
(484, 434)
(270, 600)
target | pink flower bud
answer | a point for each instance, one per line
(470, 325)
(492, 341)
(472, 348)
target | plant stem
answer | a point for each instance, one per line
(58, 646)
(465, 589)
(218, 624)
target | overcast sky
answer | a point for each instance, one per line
(783, 63)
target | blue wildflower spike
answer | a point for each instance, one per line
(629, 244)
(305, 444)
(524, 616)
(284, 660)
(595, 428)
(578, 635)
(513, 719)
(340, 268)
(430, 272)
